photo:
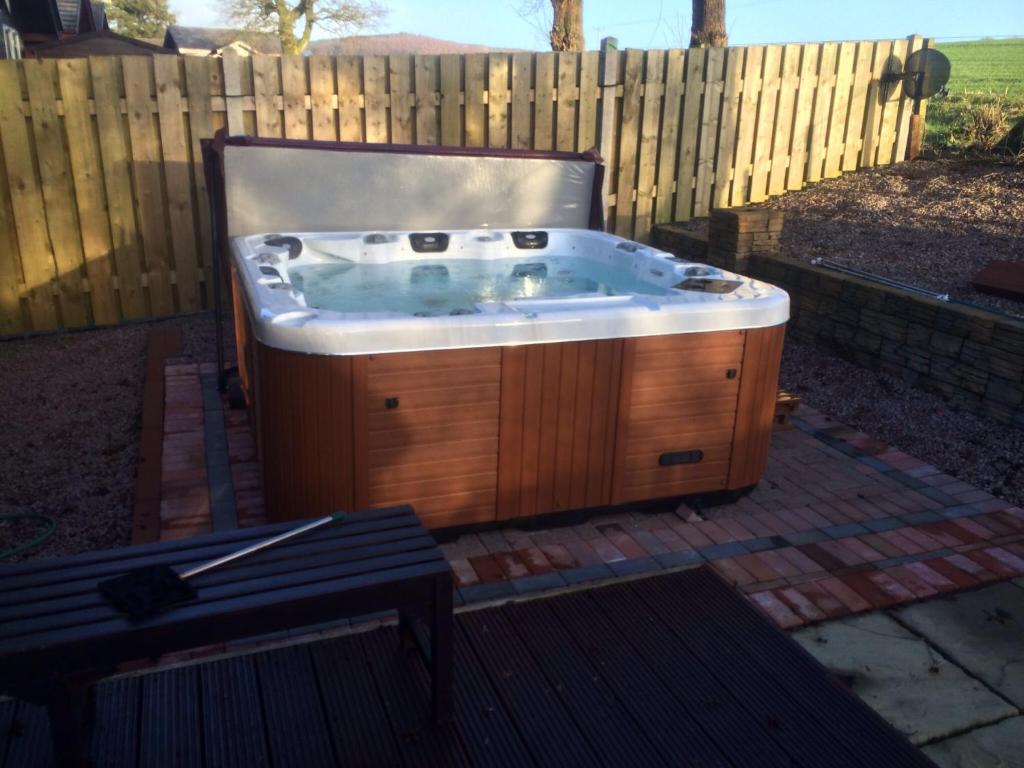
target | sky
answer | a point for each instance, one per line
(665, 24)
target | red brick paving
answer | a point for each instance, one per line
(808, 486)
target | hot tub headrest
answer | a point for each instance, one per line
(307, 186)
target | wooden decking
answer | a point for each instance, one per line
(669, 670)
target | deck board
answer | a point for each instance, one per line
(675, 669)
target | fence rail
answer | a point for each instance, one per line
(103, 213)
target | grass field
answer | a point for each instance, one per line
(986, 95)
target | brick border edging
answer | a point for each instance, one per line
(160, 345)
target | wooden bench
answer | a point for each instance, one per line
(58, 636)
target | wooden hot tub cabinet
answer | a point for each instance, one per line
(495, 433)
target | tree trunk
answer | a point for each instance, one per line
(708, 29)
(567, 25)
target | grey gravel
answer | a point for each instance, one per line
(71, 407)
(930, 223)
(973, 448)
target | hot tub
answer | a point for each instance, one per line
(497, 372)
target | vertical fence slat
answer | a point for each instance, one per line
(727, 126)
(765, 123)
(906, 108)
(116, 162)
(822, 109)
(688, 138)
(149, 198)
(784, 119)
(858, 104)
(374, 99)
(199, 74)
(497, 100)
(402, 101)
(840, 107)
(12, 318)
(293, 97)
(565, 119)
(476, 123)
(714, 87)
(543, 101)
(177, 177)
(522, 76)
(266, 85)
(350, 91)
(232, 66)
(890, 109)
(321, 103)
(427, 73)
(669, 137)
(802, 117)
(873, 118)
(451, 90)
(747, 124)
(628, 134)
(58, 195)
(654, 86)
(586, 135)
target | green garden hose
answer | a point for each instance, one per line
(38, 540)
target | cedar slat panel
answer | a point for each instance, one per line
(522, 85)
(858, 105)
(756, 406)
(822, 110)
(892, 105)
(873, 116)
(727, 126)
(294, 88)
(321, 89)
(586, 135)
(906, 108)
(266, 86)
(427, 74)
(350, 89)
(451, 109)
(840, 108)
(400, 88)
(473, 99)
(200, 73)
(804, 113)
(12, 318)
(565, 118)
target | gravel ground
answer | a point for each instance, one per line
(930, 223)
(973, 448)
(71, 406)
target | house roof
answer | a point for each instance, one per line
(401, 42)
(214, 38)
(101, 43)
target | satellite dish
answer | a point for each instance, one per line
(924, 75)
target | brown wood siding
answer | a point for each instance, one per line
(677, 394)
(559, 409)
(438, 449)
(763, 355)
(304, 406)
(243, 338)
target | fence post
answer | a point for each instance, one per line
(231, 66)
(916, 136)
(608, 82)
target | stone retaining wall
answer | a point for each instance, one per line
(971, 357)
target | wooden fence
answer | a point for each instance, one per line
(103, 213)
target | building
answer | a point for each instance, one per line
(216, 41)
(27, 24)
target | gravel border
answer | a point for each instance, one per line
(973, 448)
(71, 406)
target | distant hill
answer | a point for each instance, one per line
(401, 42)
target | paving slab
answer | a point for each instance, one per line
(902, 678)
(982, 631)
(994, 746)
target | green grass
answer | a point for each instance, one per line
(986, 95)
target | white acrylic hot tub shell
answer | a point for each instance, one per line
(281, 319)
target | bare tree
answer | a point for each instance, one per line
(280, 17)
(564, 31)
(567, 26)
(708, 27)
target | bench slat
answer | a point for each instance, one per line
(85, 593)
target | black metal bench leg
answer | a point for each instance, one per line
(71, 708)
(441, 649)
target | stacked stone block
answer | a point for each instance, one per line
(971, 357)
(684, 243)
